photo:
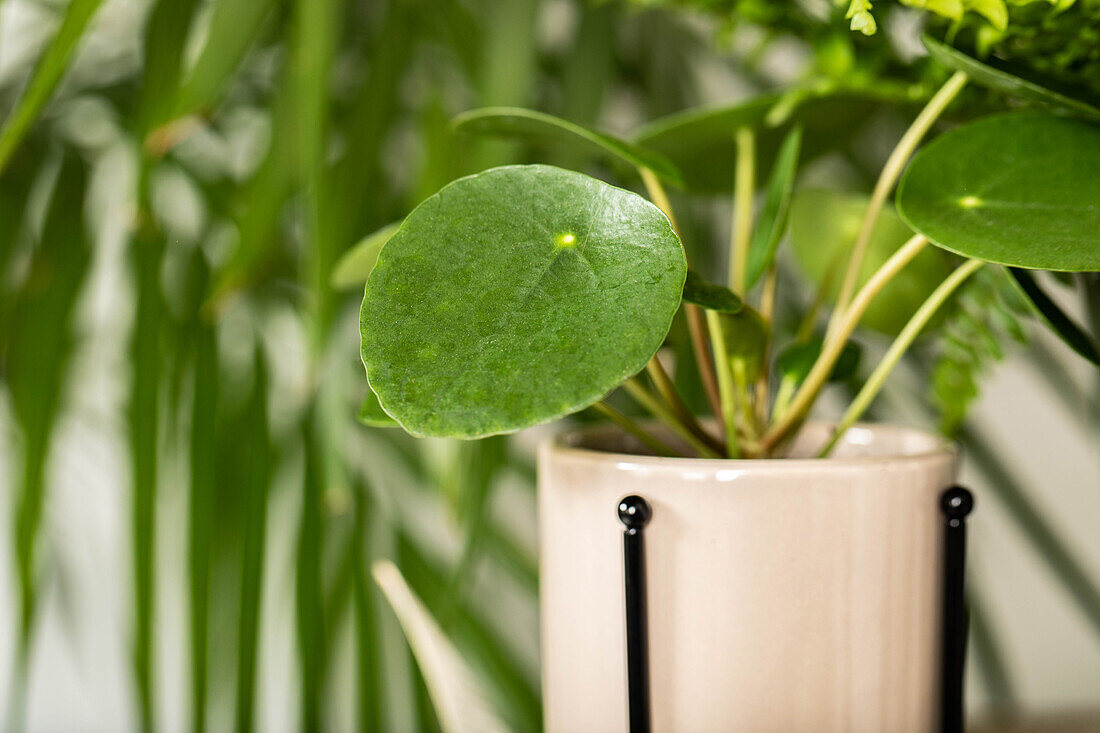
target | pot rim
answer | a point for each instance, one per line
(936, 447)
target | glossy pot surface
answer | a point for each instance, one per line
(784, 595)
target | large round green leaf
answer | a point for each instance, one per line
(515, 296)
(1019, 189)
(823, 228)
(1003, 81)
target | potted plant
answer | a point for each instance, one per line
(794, 563)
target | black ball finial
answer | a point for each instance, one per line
(634, 512)
(956, 502)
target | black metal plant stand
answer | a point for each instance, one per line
(955, 503)
(634, 513)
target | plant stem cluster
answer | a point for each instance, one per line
(753, 423)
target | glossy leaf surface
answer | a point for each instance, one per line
(516, 122)
(823, 227)
(1017, 189)
(515, 296)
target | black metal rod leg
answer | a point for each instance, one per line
(956, 503)
(634, 513)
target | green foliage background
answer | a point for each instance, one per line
(178, 181)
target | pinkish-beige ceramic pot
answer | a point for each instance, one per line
(784, 595)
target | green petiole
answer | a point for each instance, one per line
(726, 385)
(834, 345)
(744, 189)
(904, 340)
(657, 408)
(628, 425)
(895, 164)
